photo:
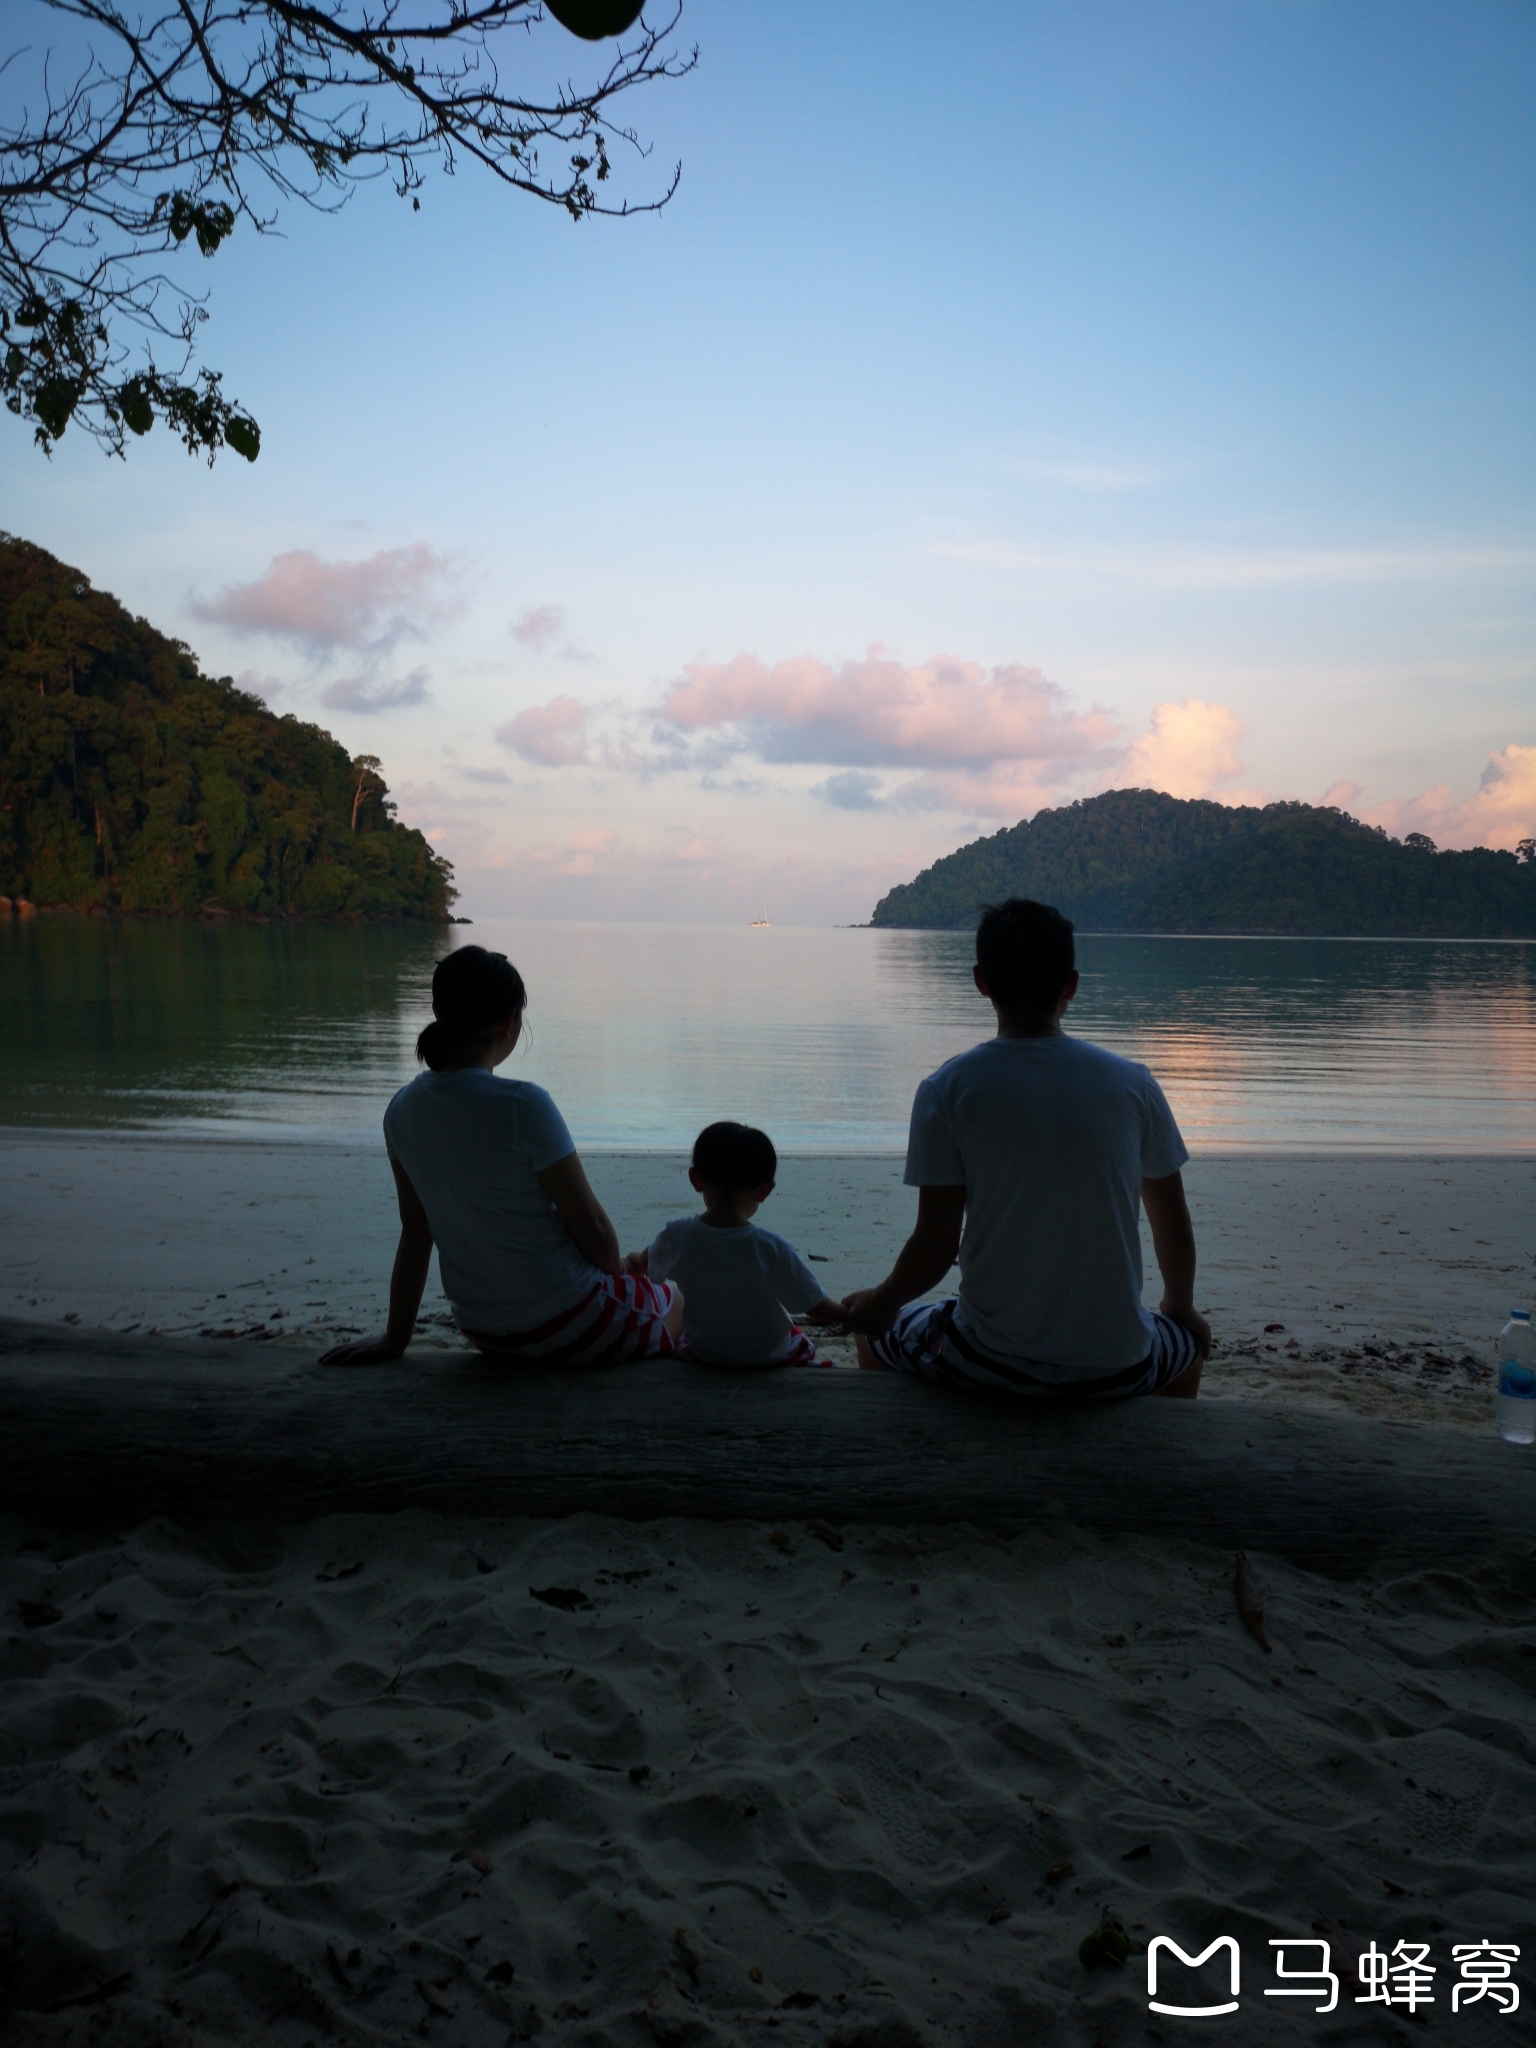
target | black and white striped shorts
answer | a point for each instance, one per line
(924, 1340)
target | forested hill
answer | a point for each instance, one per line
(1134, 860)
(131, 781)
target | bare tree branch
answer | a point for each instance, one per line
(177, 121)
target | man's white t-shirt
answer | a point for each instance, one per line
(1051, 1139)
(473, 1147)
(737, 1283)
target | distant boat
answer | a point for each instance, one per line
(761, 924)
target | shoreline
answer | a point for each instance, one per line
(1389, 1275)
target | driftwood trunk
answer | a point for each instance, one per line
(108, 1430)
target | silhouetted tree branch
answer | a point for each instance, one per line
(168, 125)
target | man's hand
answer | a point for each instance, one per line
(827, 1314)
(867, 1311)
(638, 1263)
(922, 1262)
(364, 1351)
(1189, 1319)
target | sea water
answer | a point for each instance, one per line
(645, 1032)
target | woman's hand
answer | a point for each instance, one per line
(638, 1263)
(364, 1351)
(413, 1256)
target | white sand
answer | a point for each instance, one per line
(1390, 1275)
(355, 1784)
(351, 1782)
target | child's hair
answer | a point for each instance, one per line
(734, 1157)
(1025, 954)
(472, 992)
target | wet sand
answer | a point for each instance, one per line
(1389, 1276)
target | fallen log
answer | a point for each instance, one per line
(102, 1429)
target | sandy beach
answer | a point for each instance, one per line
(387, 1778)
(1389, 1276)
(358, 1782)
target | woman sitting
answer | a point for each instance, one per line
(485, 1169)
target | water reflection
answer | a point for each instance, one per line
(645, 1032)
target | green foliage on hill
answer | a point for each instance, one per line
(1135, 860)
(130, 781)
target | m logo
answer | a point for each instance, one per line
(1190, 2012)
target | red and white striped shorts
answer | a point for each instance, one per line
(802, 1351)
(618, 1322)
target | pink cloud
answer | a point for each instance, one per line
(879, 712)
(325, 605)
(586, 853)
(553, 734)
(1190, 749)
(536, 625)
(1501, 813)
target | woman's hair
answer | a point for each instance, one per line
(472, 992)
(734, 1157)
(1025, 953)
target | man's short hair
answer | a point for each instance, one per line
(734, 1157)
(1025, 953)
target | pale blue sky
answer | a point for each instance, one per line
(1176, 352)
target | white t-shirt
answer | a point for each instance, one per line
(1051, 1139)
(473, 1147)
(737, 1284)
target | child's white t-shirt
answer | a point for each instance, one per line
(738, 1282)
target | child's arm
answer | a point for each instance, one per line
(826, 1311)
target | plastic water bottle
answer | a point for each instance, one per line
(1517, 1379)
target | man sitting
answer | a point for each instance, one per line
(1041, 1145)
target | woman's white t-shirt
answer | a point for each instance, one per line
(473, 1147)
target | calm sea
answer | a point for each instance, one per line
(645, 1032)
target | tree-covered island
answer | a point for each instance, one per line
(130, 781)
(1134, 860)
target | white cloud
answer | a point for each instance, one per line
(375, 693)
(1217, 566)
(851, 789)
(1191, 748)
(1099, 478)
(1500, 814)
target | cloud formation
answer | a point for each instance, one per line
(325, 605)
(538, 625)
(851, 789)
(553, 734)
(880, 713)
(1221, 566)
(586, 853)
(1191, 749)
(375, 693)
(1501, 813)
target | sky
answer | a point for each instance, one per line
(1015, 401)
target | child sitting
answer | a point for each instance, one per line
(737, 1280)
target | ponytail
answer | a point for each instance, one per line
(472, 992)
